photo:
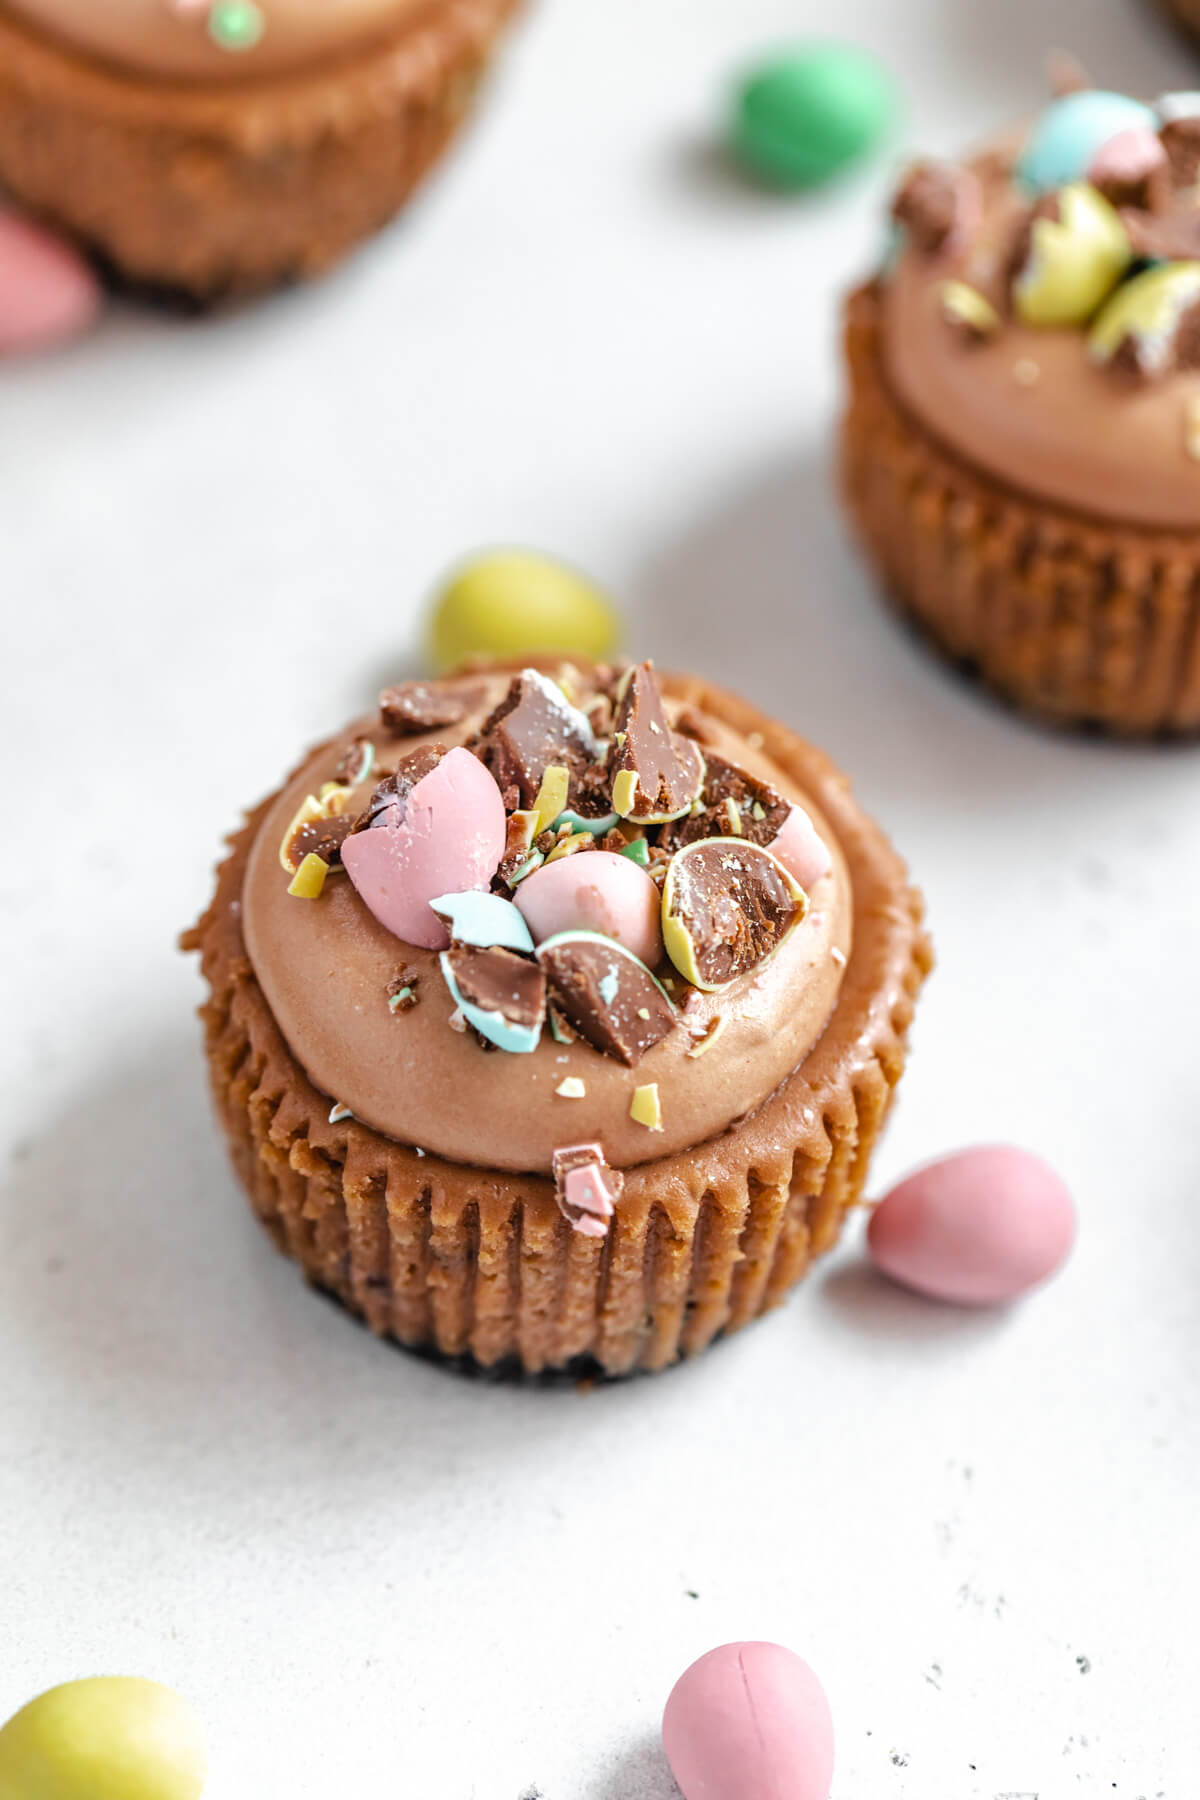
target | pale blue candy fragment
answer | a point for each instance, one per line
(1070, 132)
(485, 920)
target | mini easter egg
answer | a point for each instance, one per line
(506, 603)
(978, 1228)
(1071, 131)
(48, 292)
(445, 836)
(598, 891)
(1076, 257)
(109, 1738)
(749, 1722)
(1141, 325)
(803, 114)
(800, 848)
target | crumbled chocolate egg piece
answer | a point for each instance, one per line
(656, 774)
(606, 995)
(395, 788)
(534, 728)
(355, 763)
(502, 995)
(415, 707)
(936, 205)
(727, 906)
(586, 1189)
(1151, 325)
(403, 990)
(732, 803)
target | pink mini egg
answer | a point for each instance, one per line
(595, 890)
(978, 1228)
(749, 1722)
(801, 850)
(446, 837)
(48, 292)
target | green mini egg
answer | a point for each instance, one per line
(512, 602)
(110, 1738)
(801, 115)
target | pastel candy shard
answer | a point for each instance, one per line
(483, 919)
(801, 849)
(445, 836)
(586, 1189)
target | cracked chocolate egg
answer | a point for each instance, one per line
(657, 774)
(1077, 251)
(1152, 324)
(727, 906)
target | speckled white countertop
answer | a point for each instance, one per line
(376, 1577)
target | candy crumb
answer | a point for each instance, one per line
(645, 1109)
(338, 1112)
(1026, 372)
(839, 956)
(571, 1088)
(704, 1044)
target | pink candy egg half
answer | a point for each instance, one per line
(447, 837)
(595, 890)
(978, 1228)
(749, 1722)
(799, 848)
(48, 292)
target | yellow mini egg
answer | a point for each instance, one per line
(109, 1738)
(1074, 261)
(508, 603)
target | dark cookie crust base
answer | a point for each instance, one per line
(213, 190)
(475, 1262)
(1080, 621)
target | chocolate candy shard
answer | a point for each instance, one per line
(355, 763)
(727, 907)
(656, 773)
(415, 707)
(732, 804)
(394, 789)
(501, 994)
(606, 994)
(586, 1189)
(935, 204)
(533, 727)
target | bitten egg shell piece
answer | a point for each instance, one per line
(801, 849)
(599, 891)
(447, 838)
(749, 1722)
(977, 1228)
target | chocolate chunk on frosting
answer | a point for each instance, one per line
(321, 837)
(498, 983)
(533, 727)
(606, 994)
(656, 773)
(732, 804)
(727, 906)
(415, 707)
(586, 1189)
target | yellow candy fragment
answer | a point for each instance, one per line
(1074, 261)
(967, 307)
(332, 801)
(509, 602)
(309, 879)
(1147, 310)
(551, 796)
(645, 1109)
(624, 792)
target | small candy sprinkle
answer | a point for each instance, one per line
(839, 956)
(638, 851)
(1026, 372)
(966, 307)
(108, 1738)
(571, 1088)
(309, 879)
(803, 114)
(645, 1108)
(236, 24)
(338, 1112)
(508, 602)
(551, 796)
(400, 1001)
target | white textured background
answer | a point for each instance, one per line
(373, 1576)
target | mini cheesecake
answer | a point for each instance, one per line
(554, 1012)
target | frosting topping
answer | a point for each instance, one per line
(412, 983)
(213, 39)
(1041, 314)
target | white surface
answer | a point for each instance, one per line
(373, 1576)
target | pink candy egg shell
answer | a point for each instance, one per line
(446, 838)
(978, 1228)
(594, 890)
(749, 1722)
(803, 853)
(48, 292)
